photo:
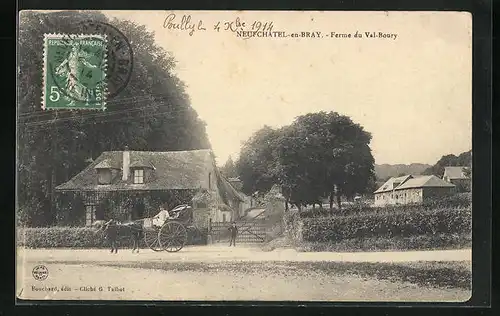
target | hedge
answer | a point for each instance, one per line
(79, 237)
(387, 225)
(420, 242)
(456, 201)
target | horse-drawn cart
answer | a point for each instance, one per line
(170, 237)
(167, 231)
(168, 234)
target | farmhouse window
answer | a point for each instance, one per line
(89, 215)
(224, 218)
(104, 176)
(138, 176)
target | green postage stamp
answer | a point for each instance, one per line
(74, 72)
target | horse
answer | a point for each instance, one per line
(115, 231)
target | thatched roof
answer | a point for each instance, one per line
(228, 189)
(172, 170)
(107, 164)
(204, 196)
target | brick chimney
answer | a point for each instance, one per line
(126, 164)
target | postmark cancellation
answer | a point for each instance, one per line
(74, 72)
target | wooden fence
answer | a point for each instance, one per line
(248, 232)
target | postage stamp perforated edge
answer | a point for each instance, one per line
(46, 37)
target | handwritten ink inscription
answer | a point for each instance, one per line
(184, 24)
(238, 25)
(188, 24)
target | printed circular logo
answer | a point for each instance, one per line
(40, 272)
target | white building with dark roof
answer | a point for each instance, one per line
(412, 189)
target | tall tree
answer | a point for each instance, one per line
(229, 169)
(256, 163)
(152, 112)
(338, 154)
(319, 154)
(298, 167)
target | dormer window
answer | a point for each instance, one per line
(105, 171)
(138, 176)
(104, 176)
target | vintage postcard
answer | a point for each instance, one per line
(244, 155)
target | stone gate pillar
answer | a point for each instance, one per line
(275, 210)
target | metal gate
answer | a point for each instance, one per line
(248, 231)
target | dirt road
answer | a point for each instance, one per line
(97, 274)
(240, 253)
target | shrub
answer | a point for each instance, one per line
(388, 224)
(81, 237)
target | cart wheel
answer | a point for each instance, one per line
(151, 239)
(172, 236)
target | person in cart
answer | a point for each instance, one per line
(161, 217)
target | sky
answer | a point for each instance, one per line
(412, 93)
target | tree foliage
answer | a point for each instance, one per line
(255, 166)
(229, 169)
(318, 155)
(152, 112)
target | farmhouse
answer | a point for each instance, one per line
(412, 189)
(458, 177)
(128, 185)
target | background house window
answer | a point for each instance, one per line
(138, 176)
(209, 180)
(104, 176)
(89, 215)
(224, 218)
